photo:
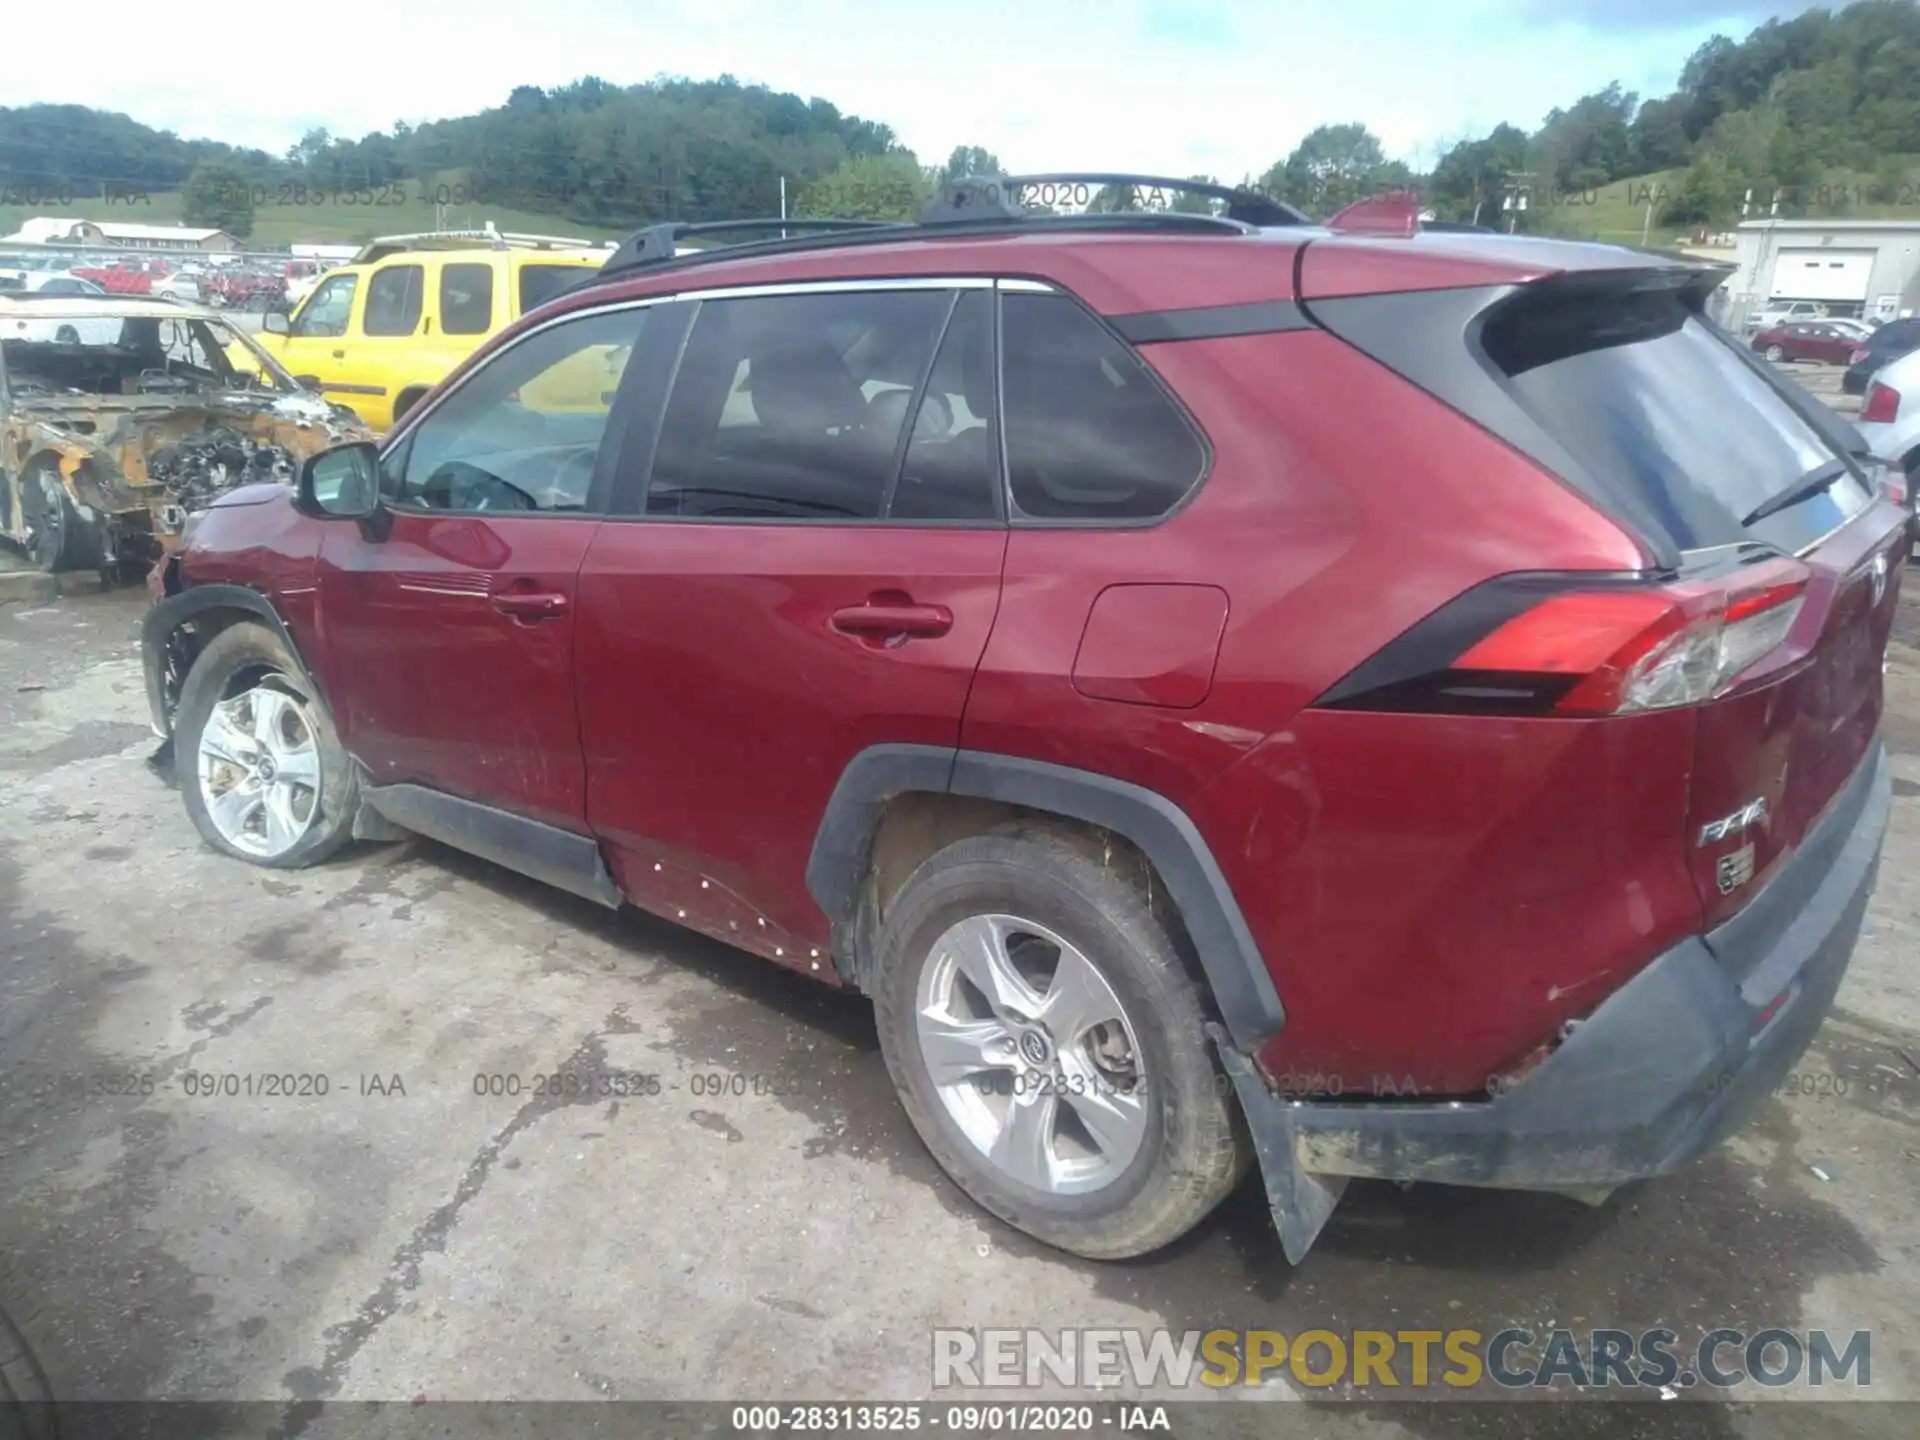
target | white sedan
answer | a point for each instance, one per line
(65, 331)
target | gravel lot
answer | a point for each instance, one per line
(402, 1236)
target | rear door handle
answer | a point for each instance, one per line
(922, 621)
(339, 354)
(530, 605)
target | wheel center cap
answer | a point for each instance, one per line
(265, 769)
(1035, 1047)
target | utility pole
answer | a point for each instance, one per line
(1646, 225)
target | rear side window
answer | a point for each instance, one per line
(393, 301)
(1091, 435)
(792, 407)
(540, 283)
(1664, 413)
(466, 299)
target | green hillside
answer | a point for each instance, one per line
(1617, 211)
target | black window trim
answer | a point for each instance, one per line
(910, 422)
(619, 494)
(629, 501)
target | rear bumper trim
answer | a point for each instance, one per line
(1669, 1065)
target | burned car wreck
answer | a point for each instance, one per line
(122, 418)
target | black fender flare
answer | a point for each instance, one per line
(170, 614)
(1236, 972)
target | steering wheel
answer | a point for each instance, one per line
(563, 490)
(456, 485)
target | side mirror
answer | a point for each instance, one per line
(308, 382)
(274, 323)
(342, 483)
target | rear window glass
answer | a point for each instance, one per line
(466, 299)
(1896, 335)
(540, 283)
(1666, 414)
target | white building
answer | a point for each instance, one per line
(46, 230)
(164, 237)
(1865, 268)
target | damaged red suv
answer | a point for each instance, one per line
(1364, 700)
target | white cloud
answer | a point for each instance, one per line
(1046, 84)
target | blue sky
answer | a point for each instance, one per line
(1146, 85)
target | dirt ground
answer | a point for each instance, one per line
(403, 1236)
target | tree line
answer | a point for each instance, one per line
(1771, 112)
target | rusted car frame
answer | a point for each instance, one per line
(120, 418)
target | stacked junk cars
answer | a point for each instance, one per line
(122, 417)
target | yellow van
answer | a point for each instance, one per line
(378, 333)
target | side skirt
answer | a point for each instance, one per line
(562, 858)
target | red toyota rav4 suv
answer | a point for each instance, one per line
(1380, 702)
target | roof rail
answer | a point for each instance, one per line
(1080, 188)
(384, 245)
(662, 242)
(973, 205)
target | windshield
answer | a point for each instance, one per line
(83, 352)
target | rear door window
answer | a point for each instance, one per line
(466, 298)
(1665, 414)
(393, 301)
(1091, 434)
(792, 407)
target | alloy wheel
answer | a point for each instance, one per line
(1032, 1054)
(260, 771)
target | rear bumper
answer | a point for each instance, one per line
(1670, 1064)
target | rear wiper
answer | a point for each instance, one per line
(1815, 482)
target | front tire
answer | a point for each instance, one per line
(1776, 354)
(261, 768)
(58, 536)
(1047, 1041)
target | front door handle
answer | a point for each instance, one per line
(885, 620)
(339, 354)
(530, 605)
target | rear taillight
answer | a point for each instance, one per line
(1896, 484)
(1585, 649)
(1882, 404)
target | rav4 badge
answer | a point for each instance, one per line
(1754, 812)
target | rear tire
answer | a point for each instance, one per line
(260, 766)
(1776, 354)
(1127, 1138)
